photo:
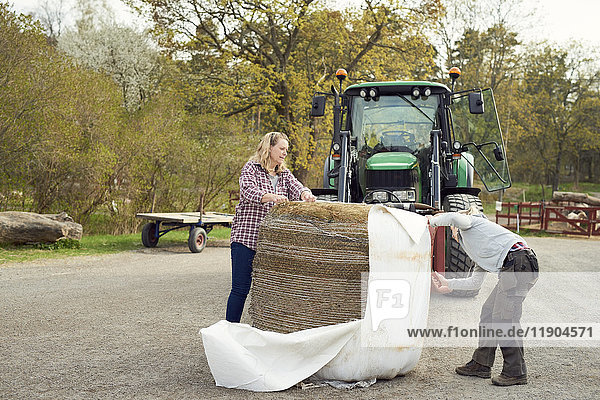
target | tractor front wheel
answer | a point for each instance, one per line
(458, 263)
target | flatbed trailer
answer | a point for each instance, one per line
(199, 225)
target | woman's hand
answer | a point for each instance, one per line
(307, 196)
(275, 198)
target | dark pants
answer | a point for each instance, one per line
(241, 278)
(503, 309)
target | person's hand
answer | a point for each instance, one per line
(454, 233)
(275, 198)
(440, 283)
(307, 196)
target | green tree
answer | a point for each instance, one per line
(558, 108)
(249, 54)
(27, 83)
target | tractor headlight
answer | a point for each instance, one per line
(405, 195)
(382, 197)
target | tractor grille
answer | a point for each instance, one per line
(391, 179)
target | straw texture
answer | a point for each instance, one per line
(308, 265)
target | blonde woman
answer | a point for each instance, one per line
(264, 182)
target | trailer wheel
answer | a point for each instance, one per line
(197, 240)
(149, 238)
(458, 264)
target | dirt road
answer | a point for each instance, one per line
(125, 326)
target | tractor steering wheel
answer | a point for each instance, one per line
(410, 136)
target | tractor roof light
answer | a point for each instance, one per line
(369, 93)
(416, 92)
(374, 94)
(341, 74)
(364, 94)
(427, 92)
(454, 73)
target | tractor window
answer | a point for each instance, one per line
(393, 123)
(482, 134)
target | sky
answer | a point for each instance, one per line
(564, 20)
(559, 20)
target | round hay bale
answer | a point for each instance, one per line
(309, 266)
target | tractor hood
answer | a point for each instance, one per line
(392, 161)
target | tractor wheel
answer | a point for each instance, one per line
(197, 240)
(458, 264)
(149, 238)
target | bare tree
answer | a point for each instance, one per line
(52, 15)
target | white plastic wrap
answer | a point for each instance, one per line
(377, 346)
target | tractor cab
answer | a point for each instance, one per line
(412, 142)
(392, 133)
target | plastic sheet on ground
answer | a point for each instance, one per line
(244, 357)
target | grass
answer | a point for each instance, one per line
(96, 245)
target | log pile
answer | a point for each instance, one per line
(575, 198)
(24, 227)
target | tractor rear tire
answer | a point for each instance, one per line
(458, 264)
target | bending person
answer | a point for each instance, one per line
(498, 250)
(264, 182)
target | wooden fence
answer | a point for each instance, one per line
(548, 217)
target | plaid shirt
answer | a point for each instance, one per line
(254, 183)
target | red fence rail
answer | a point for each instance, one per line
(587, 222)
(541, 215)
(514, 215)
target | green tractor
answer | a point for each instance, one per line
(414, 145)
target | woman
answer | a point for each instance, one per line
(264, 182)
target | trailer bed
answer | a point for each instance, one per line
(189, 217)
(198, 223)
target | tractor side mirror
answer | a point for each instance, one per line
(476, 103)
(498, 154)
(318, 106)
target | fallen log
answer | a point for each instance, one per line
(576, 198)
(18, 227)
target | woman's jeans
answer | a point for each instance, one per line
(241, 277)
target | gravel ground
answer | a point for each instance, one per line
(126, 326)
